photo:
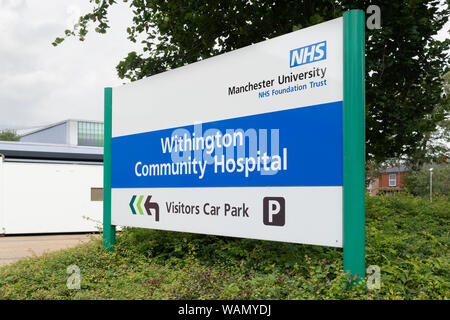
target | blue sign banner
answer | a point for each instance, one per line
(295, 147)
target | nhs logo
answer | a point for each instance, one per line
(307, 54)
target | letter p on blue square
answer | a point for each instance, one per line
(308, 54)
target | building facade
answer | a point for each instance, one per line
(390, 180)
(52, 180)
(50, 188)
(69, 132)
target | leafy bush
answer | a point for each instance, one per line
(406, 236)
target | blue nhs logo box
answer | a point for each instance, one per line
(307, 54)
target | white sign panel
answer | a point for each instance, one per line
(245, 144)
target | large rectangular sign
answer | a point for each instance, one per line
(245, 144)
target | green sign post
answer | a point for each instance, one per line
(354, 143)
(109, 231)
(353, 149)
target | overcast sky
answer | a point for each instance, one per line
(41, 84)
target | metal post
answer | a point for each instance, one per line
(109, 231)
(354, 144)
(431, 184)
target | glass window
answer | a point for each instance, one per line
(392, 180)
(90, 134)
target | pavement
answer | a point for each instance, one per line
(14, 248)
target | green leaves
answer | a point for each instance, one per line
(404, 65)
(418, 182)
(9, 135)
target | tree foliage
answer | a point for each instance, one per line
(404, 63)
(434, 145)
(418, 182)
(9, 135)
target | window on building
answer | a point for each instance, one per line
(96, 194)
(392, 180)
(90, 134)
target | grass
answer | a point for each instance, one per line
(406, 236)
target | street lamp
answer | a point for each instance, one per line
(431, 184)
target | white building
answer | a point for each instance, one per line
(52, 180)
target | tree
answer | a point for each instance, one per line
(434, 146)
(418, 182)
(404, 99)
(9, 135)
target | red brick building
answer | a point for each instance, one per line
(390, 180)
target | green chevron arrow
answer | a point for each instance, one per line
(139, 205)
(131, 204)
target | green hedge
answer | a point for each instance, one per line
(406, 236)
